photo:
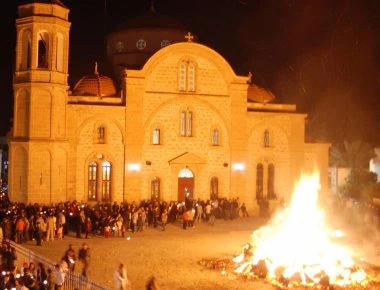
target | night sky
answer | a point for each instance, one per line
(322, 55)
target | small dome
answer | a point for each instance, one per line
(260, 95)
(95, 85)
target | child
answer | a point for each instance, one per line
(60, 232)
(107, 231)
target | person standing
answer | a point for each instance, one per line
(50, 228)
(59, 276)
(164, 218)
(88, 226)
(84, 257)
(38, 233)
(61, 220)
(41, 275)
(208, 210)
(198, 217)
(70, 257)
(243, 209)
(211, 218)
(152, 284)
(20, 227)
(185, 219)
(120, 278)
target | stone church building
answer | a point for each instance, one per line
(175, 120)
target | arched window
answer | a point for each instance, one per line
(189, 123)
(43, 48)
(187, 72)
(271, 193)
(60, 52)
(183, 123)
(92, 180)
(106, 180)
(215, 137)
(156, 136)
(182, 76)
(101, 132)
(214, 188)
(186, 123)
(26, 57)
(155, 188)
(191, 77)
(185, 173)
(259, 181)
(266, 138)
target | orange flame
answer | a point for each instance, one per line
(297, 242)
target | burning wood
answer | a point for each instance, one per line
(294, 250)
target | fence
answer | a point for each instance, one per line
(72, 280)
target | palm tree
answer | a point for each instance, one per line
(354, 155)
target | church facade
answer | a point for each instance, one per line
(184, 125)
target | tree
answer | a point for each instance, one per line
(359, 184)
(354, 155)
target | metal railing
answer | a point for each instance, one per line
(72, 280)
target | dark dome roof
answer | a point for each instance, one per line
(151, 19)
(260, 95)
(95, 85)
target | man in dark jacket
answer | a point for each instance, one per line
(84, 257)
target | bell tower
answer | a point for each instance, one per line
(40, 96)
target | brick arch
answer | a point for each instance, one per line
(91, 123)
(192, 48)
(19, 174)
(22, 113)
(192, 101)
(106, 156)
(41, 112)
(276, 131)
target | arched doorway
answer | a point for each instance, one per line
(185, 184)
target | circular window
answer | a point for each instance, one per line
(165, 42)
(141, 44)
(119, 46)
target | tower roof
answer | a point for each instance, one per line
(58, 2)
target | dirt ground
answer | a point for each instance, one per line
(172, 256)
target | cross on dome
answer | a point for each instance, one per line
(189, 37)
(151, 9)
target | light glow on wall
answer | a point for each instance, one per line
(238, 166)
(134, 166)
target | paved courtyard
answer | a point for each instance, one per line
(173, 256)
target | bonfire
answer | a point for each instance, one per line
(295, 249)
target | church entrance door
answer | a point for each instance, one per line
(185, 184)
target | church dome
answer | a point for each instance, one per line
(95, 85)
(133, 42)
(151, 19)
(260, 95)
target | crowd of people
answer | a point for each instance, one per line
(32, 275)
(22, 223)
